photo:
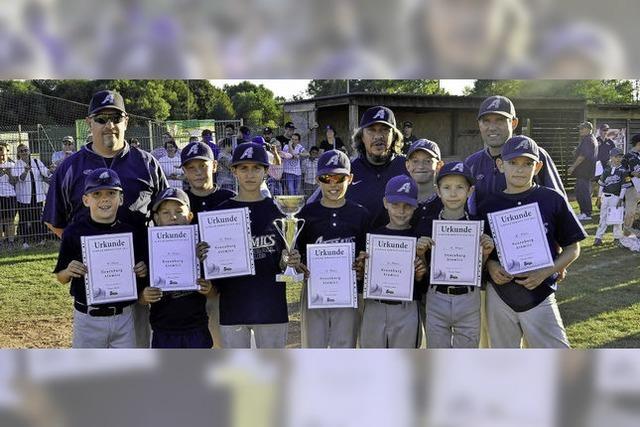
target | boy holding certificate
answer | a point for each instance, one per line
(256, 303)
(388, 323)
(199, 166)
(453, 311)
(332, 219)
(524, 305)
(178, 318)
(614, 182)
(103, 325)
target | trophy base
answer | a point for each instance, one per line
(295, 278)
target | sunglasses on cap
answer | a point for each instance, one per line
(333, 179)
(104, 118)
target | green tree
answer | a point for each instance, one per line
(334, 87)
(211, 102)
(593, 91)
(254, 103)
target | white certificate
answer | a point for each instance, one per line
(228, 233)
(520, 239)
(109, 260)
(615, 215)
(332, 280)
(456, 257)
(390, 267)
(173, 263)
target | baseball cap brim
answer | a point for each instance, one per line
(401, 199)
(500, 113)
(106, 107)
(377, 121)
(195, 158)
(157, 204)
(514, 155)
(471, 180)
(333, 171)
(431, 152)
(102, 187)
(239, 162)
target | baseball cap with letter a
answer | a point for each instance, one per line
(401, 189)
(250, 152)
(106, 99)
(520, 146)
(497, 105)
(102, 179)
(195, 150)
(378, 114)
(334, 162)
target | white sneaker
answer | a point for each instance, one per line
(25, 245)
(581, 216)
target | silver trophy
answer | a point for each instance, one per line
(289, 228)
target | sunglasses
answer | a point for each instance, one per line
(333, 179)
(104, 118)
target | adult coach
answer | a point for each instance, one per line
(377, 162)
(141, 176)
(497, 120)
(584, 169)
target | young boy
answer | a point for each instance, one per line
(614, 182)
(525, 305)
(453, 312)
(178, 319)
(199, 166)
(395, 324)
(103, 325)
(332, 219)
(256, 303)
(309, 168)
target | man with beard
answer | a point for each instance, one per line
(376, 162)
(140, 173)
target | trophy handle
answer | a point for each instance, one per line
(299, 225)
(279, 225)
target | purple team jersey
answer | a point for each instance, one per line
(140, 173)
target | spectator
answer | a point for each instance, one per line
(292, 174)
(68, 148)
(171, 165)
(309, 170)
(284, 139)
(408, 136)
(605, 144)
(275, 171)
(267, 134)
(31, 190)
(583, 168)
(331, 141)
(224, 176)
(230, 138)
(160, 152)
(207, 138)
(7, 197)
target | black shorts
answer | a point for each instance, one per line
(7, 208)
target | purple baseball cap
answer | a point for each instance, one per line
(378, 114)
(106, 99)
(497, 105)
(102, 179)
(334, 162)
(171, 194)
(456, 168)
(425, 145)
(250, 152)
(520, 146)
(196, 150)
(401, 189)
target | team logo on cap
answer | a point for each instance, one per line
(248, 154)
(108, 99)
(169, 192)
(193, 150)
(524, 144)
(104, 175)
(458, 167)
(405, 188)
(381, 114)
(333, 160)
(494, 104)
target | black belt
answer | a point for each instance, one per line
(389, 302)
(453, 290)
(102, 311)
(608, 195)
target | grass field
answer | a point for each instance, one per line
(599, 300)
